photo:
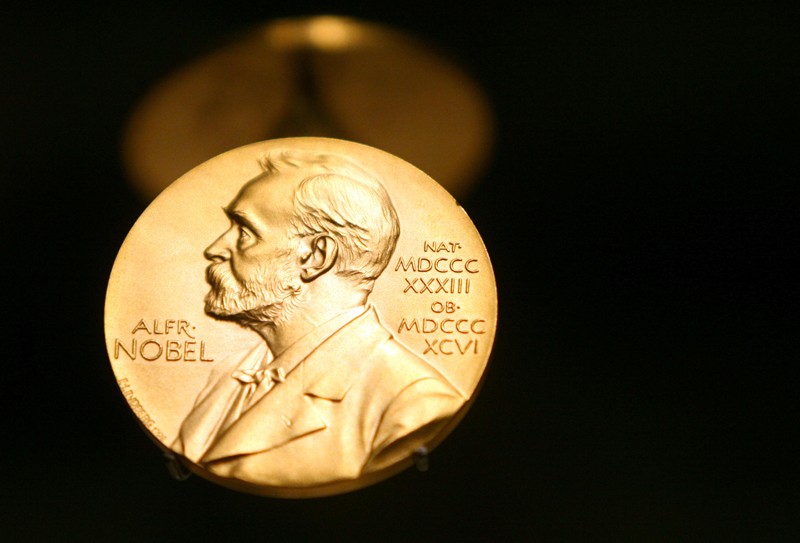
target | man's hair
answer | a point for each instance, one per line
(338, 198)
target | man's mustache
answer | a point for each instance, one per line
(218, 274)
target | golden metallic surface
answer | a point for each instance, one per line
(316, 76)
(297, 317)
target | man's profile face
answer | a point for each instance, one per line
(255, 266)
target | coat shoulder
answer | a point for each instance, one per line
(399, 367)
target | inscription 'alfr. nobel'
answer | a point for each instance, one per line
(143, 345)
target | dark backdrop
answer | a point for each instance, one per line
(641, 212)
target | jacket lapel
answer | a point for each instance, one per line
(201, 425)
(287, 411)
(282, 415)
(332, 369)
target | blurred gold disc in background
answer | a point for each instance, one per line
(317, 76)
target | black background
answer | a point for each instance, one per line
(640, 209)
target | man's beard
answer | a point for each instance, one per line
(269, 297)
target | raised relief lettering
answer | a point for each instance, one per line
(448, 324)
(443, 274)
(147, 342)
(140, 411)
(433, 285)
(441, 265)
(446, 346)
(466, 332)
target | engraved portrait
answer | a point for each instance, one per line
(328, 393)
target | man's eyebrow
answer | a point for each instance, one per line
(240, 218)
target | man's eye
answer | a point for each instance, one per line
(245, 237)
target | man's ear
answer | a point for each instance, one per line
(317, 257)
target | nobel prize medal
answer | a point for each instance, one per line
(300, 317)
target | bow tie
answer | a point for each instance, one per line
(271, 375)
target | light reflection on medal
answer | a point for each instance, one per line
(331, 321)
(317, 76)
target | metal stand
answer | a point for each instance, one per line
(421, 459)
(176, 470)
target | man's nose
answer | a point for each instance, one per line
(219, 250)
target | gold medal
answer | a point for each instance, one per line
(298, 317)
